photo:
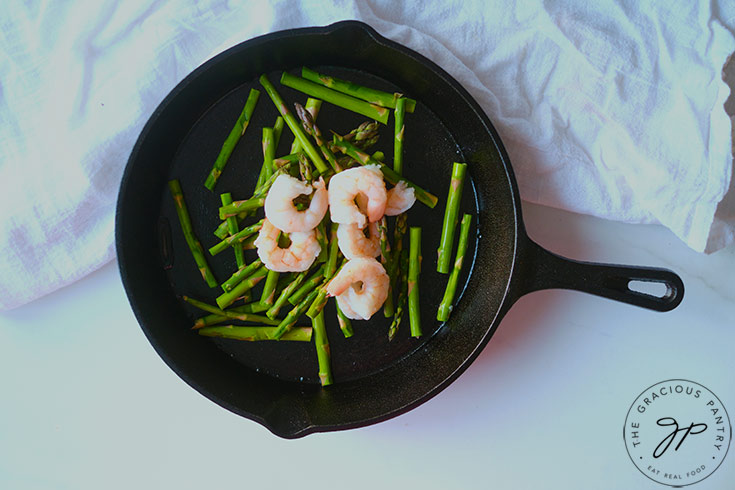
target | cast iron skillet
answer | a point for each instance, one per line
(275, 383)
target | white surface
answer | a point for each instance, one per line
(588, 97)
(88, 404)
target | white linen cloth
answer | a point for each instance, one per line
(615, 110)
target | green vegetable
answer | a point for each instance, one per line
(402, 286)
(237, 207)
(232, 314)
(242, 273)
(308, 286)
(269, 288)
(313, 106)
(293, 315)
(191, 240)
(337, 98)
(240, 236)
(302, 334)
(445, 307)
(414, 268)
(233, 227)
(344, 323)
(385, 259)
(398, 138)
(323, 354)
(294, 125)
(309, 125)
(373, 96)
(229, 145)
(214, 318)
(226, 299)
(451, 215)
(287, 291)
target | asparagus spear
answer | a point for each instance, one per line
(330, 269)
(451, 215)
(323, 239)
(241, 274)
(320, 301)
(256, 333)
(226, 299)
(223, 229)
(445, 307)
(269, 142)
(269, 153)
(214, 318)
(233, 227)
(312, 106)
(271, 287)
(398, 233)
(364, 136)
(305, 168)
(323, 354)
(268, 296)
(309, 285)
(290, 158)
(234, 315)
(344, 323)
(249, 243)
(277, 131)
(389, 174)
(337, 98)
(266, 169)
(312, 130)
(191, 240)
(414, 267)
(402, 294)
(283, 297)
(293, 315)
(284, 280)
(398, 138)
(283, 166)
(373, 96)
(240, 236)
(293, 124)
(237, 207)
(385, 259)
(333, 253)
(240, 126)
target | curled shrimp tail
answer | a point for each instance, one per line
(361, 287)
(400, 199)
(281, 210)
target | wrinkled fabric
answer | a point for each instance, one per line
(613, 110)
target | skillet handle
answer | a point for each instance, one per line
(550, 271)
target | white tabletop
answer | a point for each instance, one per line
(87, 403)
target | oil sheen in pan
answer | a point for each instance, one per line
(429, 150)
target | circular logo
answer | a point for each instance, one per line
(677, 432)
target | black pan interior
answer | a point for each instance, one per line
(276, 383)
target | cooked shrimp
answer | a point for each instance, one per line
(280, 209)
(361, 287)
(360, 185)
(297, 257)
(353, 243)
(400, 199)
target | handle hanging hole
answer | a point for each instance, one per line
(652, 288)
